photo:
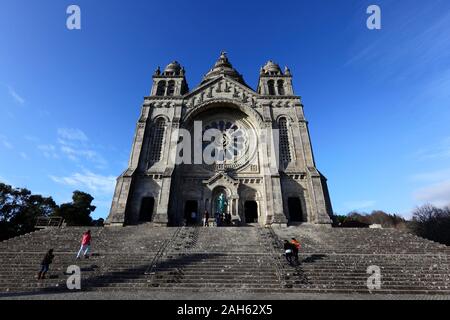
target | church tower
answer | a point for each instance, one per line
(263, 169)
(272, 82)
(171, 82)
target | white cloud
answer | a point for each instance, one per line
(440, 150)
(88, 180)
(429, 45)
(24, 155)
(91, 155)
(16, 96)
(65, 134)
(48, 150)
(435, 187)
(74, 145)
(437, 194)
(359, 204)
(434, 176)
(31, 138)
(70, 153)
(439, 86)
(5, 142)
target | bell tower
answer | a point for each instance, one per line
(274, 82)
(171, 82)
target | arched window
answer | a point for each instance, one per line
(285, 149)
(171, 88)
(161, 90)
(157, 139)
(280, 87)
(271, 85)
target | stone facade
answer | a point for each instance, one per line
(270, 177)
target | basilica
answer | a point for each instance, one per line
(262, 169)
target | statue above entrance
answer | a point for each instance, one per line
(222, 203)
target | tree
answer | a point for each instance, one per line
(78, 212)
(19, 209)
(34, 206)
(432, 223)
(357, 219)
(99, 222)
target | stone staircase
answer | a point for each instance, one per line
(337, 261)
(228, 259)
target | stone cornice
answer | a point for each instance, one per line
(162, 98)
(218, 79)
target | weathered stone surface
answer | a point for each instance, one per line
(245, 259)
(155, 188)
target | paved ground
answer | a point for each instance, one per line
(153, 295)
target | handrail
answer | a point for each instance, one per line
(278, 265)
(297, 268)
(44, 222)
(159, 254)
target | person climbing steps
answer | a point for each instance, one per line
(85, 245)
(45, 264)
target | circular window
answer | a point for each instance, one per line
(231, 140)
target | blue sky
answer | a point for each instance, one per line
(377, 100)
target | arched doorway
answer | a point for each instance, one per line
(251, 212)
(295, 210)
(146, 212)
(189, 207)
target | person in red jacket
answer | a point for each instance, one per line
(85, 245)
(296, 247)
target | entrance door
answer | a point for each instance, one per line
(189, 207)
(146, 212)
(251, 212)
(295, 210)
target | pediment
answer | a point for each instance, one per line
(222, 88)
(221, 178)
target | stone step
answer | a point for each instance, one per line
(228, 259)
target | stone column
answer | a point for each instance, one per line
(277, 199)
(162, 208)
(119, 205)
(273, 210)
(318, 198)
(118, 212)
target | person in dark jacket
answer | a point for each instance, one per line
(45, 264)
(217, 219)
(228, 219)
(206, 219)
(289, 251)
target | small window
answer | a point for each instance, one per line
(285, 150)
(171, 88)
(157, 139)
(271, 85)
(281, 87)
(161, 90)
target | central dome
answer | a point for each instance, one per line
(173, 68)
(223, 67)
(271, 68)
